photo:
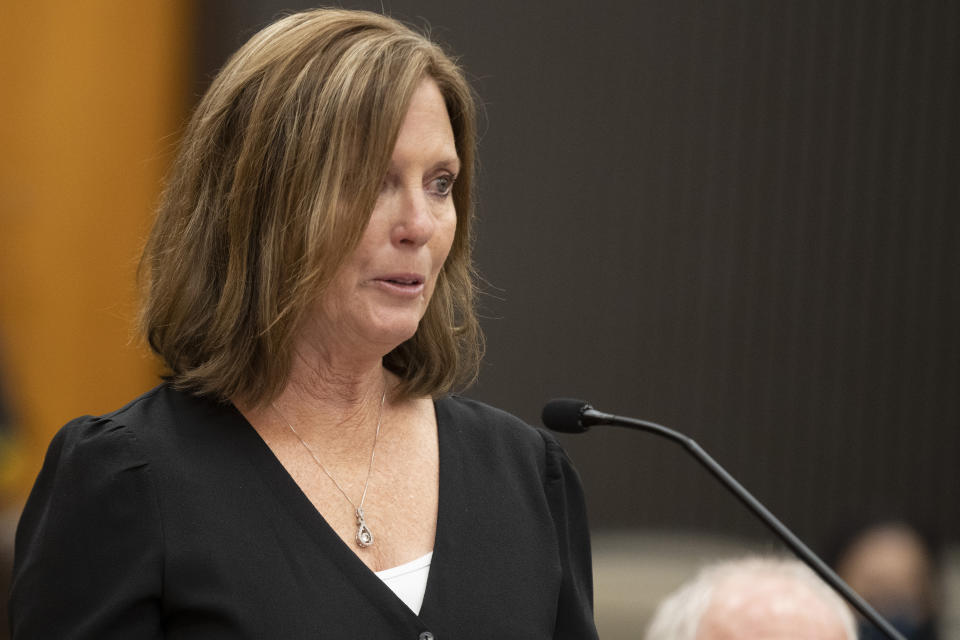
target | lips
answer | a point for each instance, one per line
(407, 281)
(403, 284)
(402, 279)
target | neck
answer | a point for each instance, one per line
(336, 391)
(341, 399)
(335, 370)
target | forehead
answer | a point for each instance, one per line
(426, 129)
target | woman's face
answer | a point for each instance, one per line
(381, 292)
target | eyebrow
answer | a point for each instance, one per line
(452, 161)
(449, 162)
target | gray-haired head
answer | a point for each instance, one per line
(750, 597)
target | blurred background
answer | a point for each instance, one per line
(739, 219)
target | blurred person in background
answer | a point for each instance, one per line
(893, 566)
(304, 472)
(10, 463)
(769, 598)
(9, 468)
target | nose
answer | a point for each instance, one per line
(414, 222)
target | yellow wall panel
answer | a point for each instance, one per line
(93, 95)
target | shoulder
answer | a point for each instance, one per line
(88, 457)
(91, 454)
(169, 419)
(469, 414)
(168, 409)
(161, 428)
(487, 428)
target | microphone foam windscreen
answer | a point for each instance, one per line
(563, 415)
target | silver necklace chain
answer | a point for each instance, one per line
(364, 535)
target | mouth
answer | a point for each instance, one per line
(404, 284)
(403, 281)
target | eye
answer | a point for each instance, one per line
(441, 186)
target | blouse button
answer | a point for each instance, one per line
(426, 635)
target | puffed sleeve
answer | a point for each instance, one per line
(88, 557)
(565, 494)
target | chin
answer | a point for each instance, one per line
(395, 334)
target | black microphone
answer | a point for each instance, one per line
(567, 415)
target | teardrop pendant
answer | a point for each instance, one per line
(364, 535)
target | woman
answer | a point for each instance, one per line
(301, 473)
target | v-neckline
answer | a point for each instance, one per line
(309, 518)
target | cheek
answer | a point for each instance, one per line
(444, 243)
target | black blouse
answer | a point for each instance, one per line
(171, 518)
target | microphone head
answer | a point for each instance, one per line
(564, 415)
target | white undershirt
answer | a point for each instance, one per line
(409, 581)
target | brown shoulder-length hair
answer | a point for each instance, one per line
(274, 183)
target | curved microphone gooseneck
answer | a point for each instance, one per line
(567, 415)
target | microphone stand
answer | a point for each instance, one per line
(590, 416)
